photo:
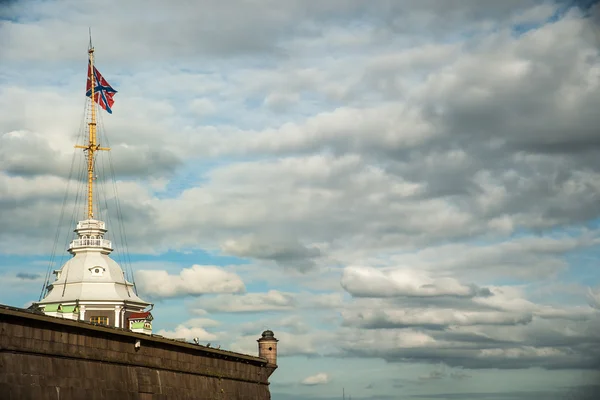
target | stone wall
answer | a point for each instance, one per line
(46, 358)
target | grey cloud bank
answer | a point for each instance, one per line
(406, 180)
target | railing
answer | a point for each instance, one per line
(87, 224)
(90, 243)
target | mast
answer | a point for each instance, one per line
(90, 231)
(92, 147)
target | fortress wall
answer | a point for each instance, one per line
(48, 358)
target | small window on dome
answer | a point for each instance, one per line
(97, 271)
(99, 320)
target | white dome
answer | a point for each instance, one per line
(91, 276)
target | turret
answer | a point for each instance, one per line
(267, 347)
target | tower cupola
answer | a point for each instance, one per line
(267, 347)
(90, 238)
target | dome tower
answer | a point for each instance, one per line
(91, 286)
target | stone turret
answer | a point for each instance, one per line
(267, 347)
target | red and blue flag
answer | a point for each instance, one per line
(103, 92)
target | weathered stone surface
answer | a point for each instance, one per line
(46, 358)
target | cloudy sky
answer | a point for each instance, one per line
(407, 191)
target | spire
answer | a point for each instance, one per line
(92, 147)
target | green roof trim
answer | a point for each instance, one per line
(137, 325)
(51, 307)
(68, 309)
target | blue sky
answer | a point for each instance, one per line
(405, 192)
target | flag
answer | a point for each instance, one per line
(103, 92)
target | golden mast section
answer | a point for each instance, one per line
(92, 147)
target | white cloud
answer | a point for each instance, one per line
(318, 379)
(526, 257)
(504, 330)
(287, 253)
(425, 142)
(535, 15)
(594, 298)
(325, 300)
(372, 282)
(194, 281)
(478, 348)
(280, 101)
(202, 107)
(293, 324)
(433, 375)
(273, 300)
(193, 328)
(396, 126)
(439, 317)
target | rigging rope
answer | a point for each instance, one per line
(117, 252)
(107, 214)
(81, 130)
(123, 256)
(124, 245)
(79, 194)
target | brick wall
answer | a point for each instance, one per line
(47, 358)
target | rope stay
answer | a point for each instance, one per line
(80, 181)
(59, 225)
(124, 246)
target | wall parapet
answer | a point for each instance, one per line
(7, 311)
(38, 352)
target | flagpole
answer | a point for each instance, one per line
(92, 132)
(92, 146)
